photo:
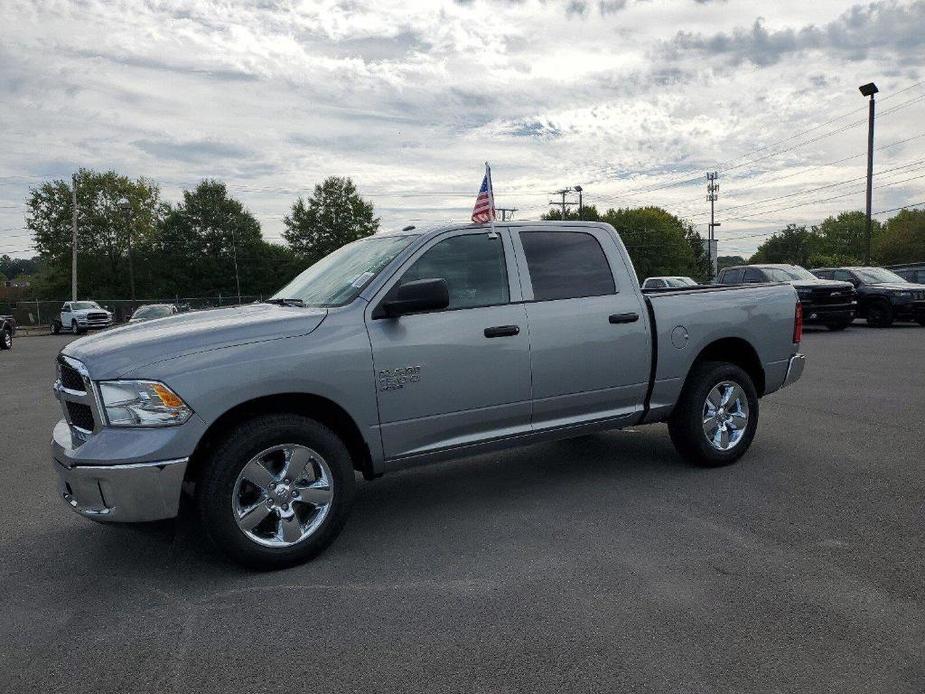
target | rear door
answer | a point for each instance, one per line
(589, 341)
(461, 375)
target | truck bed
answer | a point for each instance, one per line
(756, 318)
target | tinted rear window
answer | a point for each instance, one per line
(565, 265)
(733, 276)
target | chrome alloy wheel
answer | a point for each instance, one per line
(725, 415)
(283, 495)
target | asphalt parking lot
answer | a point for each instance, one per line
(600, 564)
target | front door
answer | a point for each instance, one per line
(461, 375)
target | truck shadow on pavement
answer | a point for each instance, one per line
(392, 510)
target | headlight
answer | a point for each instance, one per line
(904, 295)
(142, 404)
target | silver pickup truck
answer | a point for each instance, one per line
(400, 349)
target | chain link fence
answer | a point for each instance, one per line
(41, 312)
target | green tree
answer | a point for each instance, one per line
(201, 237)
(659, 243)
(903, 238)
(793, 244)
(842, 239)
(333, 215)
(103, 230)
(729, 261)
(589, 213)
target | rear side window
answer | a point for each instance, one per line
(565, 265)
(823, 274)
(842, 275)
(473, 267)
(733, 276)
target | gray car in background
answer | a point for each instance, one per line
(398, 350)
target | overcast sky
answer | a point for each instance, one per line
(623, 97)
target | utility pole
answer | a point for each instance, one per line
(126, 206)
(869, 90)
(74, 237)
(504, 211)
(712, 197)
(234, 252)
(581, 207)
(563, 203)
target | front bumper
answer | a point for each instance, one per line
(123, 493)
(794, 369)
(832, 313)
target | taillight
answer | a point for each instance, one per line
(798, 324)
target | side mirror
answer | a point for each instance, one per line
(415, 297)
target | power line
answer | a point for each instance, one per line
(812, 190)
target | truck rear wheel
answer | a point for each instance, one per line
(56, 327)
(6, 339)
(715, 419)
(277, 491)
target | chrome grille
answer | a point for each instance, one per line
(81, 416)
(70, 377)
(78, 398)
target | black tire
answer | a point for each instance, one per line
(216, 487)
(921, 321)
(56, 327)
(6, 339)
(686, 424)
(835, 327)
(880, 314)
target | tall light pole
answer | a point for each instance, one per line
(869, 89)
(581, 207)
(126, 206)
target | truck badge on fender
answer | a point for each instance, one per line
(395, 379)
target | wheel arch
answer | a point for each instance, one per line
(738, 351)
(319, 408)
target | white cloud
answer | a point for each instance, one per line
(410, 98)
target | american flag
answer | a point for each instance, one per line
(484, 210)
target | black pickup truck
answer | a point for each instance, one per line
(7, 331)
(828, 303)
(883, 296)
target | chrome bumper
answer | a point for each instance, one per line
(131, 493)
(794, 369)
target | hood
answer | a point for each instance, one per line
(114, 352)
(896, 286)
(821, 284)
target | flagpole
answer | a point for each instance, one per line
(491, 197)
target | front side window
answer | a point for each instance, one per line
(844, 276)
(473, 266)
(753, 275)
(566, 265)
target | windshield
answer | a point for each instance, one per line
(338, 278)
(876, 275)
(788, 274)
(84, 305)
(680, 281)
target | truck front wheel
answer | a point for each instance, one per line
(276, 491)
(716, 416)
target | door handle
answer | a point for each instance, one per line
(502, 331)
(631, 317)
